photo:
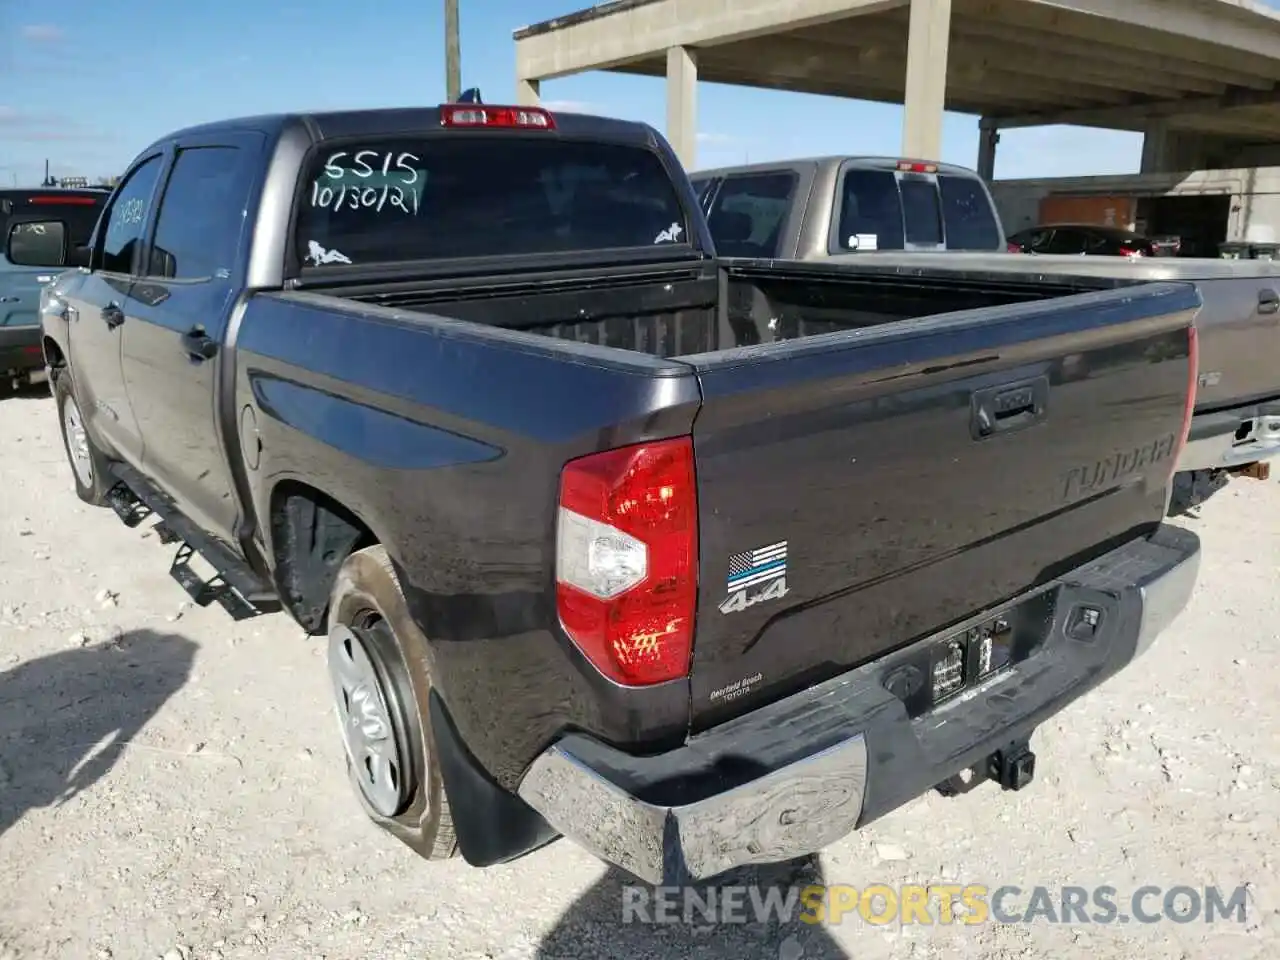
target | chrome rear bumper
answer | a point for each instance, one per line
(791, 778)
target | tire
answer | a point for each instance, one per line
(89, 468)
(381, 678)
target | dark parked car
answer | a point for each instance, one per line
(1082, 239)
(25, 226)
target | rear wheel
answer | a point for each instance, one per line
(88, 465)
(381, 679)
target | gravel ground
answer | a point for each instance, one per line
(170, 784)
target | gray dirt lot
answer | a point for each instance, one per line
(171, 784)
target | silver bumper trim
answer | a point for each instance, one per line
(788, 813)
(1221, 452)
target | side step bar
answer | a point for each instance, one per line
(236, 587)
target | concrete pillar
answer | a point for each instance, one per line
(1155, 147)
(988, 138)
(682, 104)
(928, 36)
(528, 93)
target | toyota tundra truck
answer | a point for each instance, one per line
(698, 562)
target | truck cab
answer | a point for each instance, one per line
(820, 207)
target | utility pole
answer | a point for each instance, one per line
(452, 54)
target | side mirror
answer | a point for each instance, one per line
(79, 255)
(37, 243)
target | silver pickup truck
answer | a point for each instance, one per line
(926, 220)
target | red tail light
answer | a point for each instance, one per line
(626, 560)
(482, 115)
(1013, 248)
(71, 200)
(917, 166)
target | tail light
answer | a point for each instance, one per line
(1013, 248)
(917, 166)
(482, 115)
(626, 560)
(70, 200)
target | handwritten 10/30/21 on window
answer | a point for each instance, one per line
(369, 180)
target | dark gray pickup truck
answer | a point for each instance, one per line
(700, 563)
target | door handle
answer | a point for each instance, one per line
(199, 345)
(8, 299)
(55, 308)
(113, 315)
(1268, 301)
(1008, 407)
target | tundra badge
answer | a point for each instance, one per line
(755, 576)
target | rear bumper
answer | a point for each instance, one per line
(790, 778)
(20, 349)
(1232, 438)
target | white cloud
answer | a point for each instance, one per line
(42, 33)
(573, 106)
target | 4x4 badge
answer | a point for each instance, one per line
(756, 576)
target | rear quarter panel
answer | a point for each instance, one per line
(446, 439)
(1239, 346)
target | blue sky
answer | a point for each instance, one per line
(88, 84)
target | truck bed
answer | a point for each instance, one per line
(679, 312)
(832, 402)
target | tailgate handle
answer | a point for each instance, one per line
(1008, 407)
(1268, 301)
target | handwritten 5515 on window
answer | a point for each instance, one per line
(369, 180)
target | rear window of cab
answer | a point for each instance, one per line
(446, 197)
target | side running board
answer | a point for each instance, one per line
(236, 587)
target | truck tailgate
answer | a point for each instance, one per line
(861, 490)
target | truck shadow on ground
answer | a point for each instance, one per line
(67, 717)
(34, 391)
(601, 925)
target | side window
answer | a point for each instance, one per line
(966, 212)
(921, 210)
(870, 211)
(1041, 240)
(1066, 241)
(119, 249)
(749, 213)
(201, 215)
(702, 188)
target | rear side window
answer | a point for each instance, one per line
(750, 212)
(481, 196)
(870, 211)
(967, 213)
(201, 214)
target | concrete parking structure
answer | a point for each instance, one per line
(1196, 76)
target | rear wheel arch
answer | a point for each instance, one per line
(53, 355)
(312, 534)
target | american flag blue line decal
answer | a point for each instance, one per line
(757, 566)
